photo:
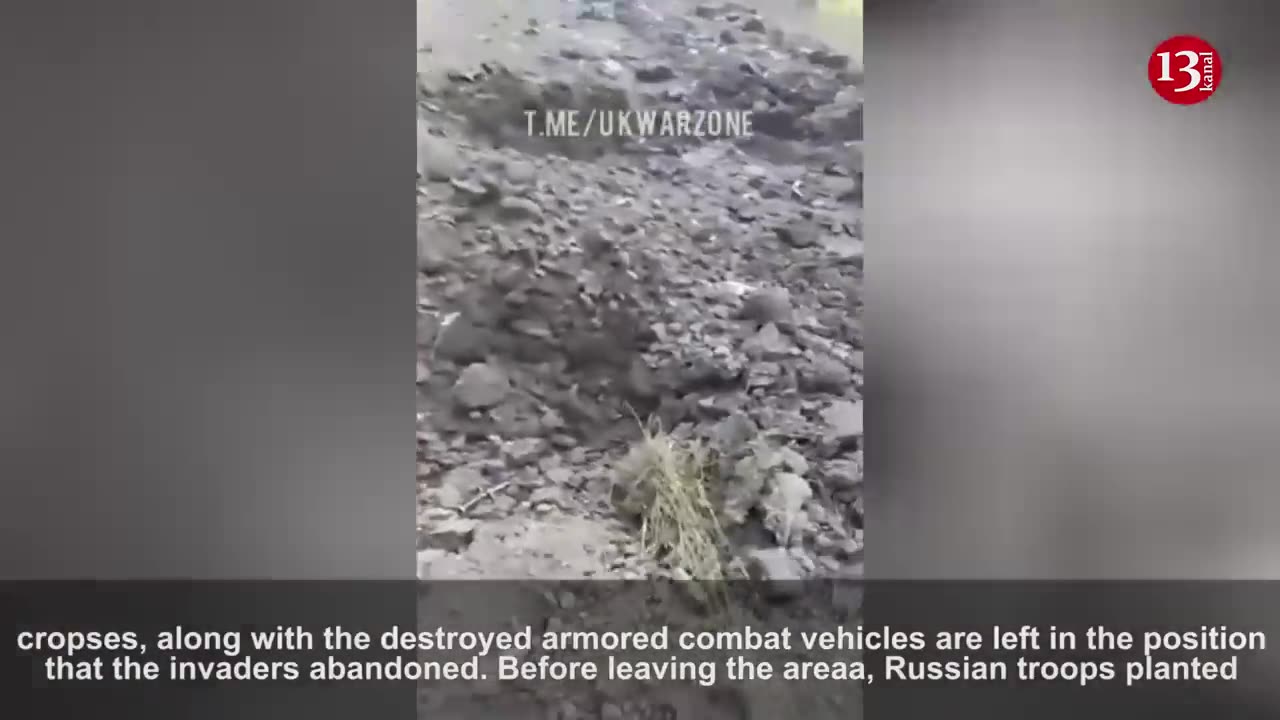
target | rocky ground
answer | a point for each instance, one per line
(570, 288)
(571, 291)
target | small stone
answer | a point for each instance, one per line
(784, 508)
(850, 97)
(768, 344)
(559, 476)
(655, 73)
(551, 421)
(464, 481)
(778, 570)
(548, 495)
(842, 475)
(844, 420)
(452, 535)
(521, 172)
(471, 192)
(481, 386)
(524, 451)
(438, 159)
(596, 244)
(461, 341)
(792, 491)
(754, 25)
(735, 431)
(447, 496)
(768, 305)
(427, 326)
(640, 382)
(793, 460)
(825, 544)
(438, 245)
(612, 68)
(826, 375)
(830, 60)
(728, 38)
(518, 208)
(798, 235)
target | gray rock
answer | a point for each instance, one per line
(559, 476)
(438, 245)
(780, 572)
(830, 60)
(768, 305)
(793, 461)
(596, 244)
(524, 451)
(842, 475)
(778, 122)
(837, 123)
(461, 341)
(784, 507)
(746, 480)
(754, 25)
(438, 159)
(845, 249)
(850, 97)
(521, 172)
(446, 496)
(518, 208)
(825, 375)
(451, 535)
(481, 386)
(709, 370)
(798, 235)
(735, 431)
(465, 481)
(473, 192)
(768, 344)
(428, 326)
(655, 73)
(843, 419)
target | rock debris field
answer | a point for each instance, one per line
(641, 357)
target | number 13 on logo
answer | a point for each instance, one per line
(1184, 70)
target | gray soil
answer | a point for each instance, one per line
(568, 288)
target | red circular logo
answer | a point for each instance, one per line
(1184, 70)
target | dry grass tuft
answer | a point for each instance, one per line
(666, 484)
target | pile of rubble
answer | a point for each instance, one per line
(571, 288)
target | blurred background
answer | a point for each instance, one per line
(1071, 313)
